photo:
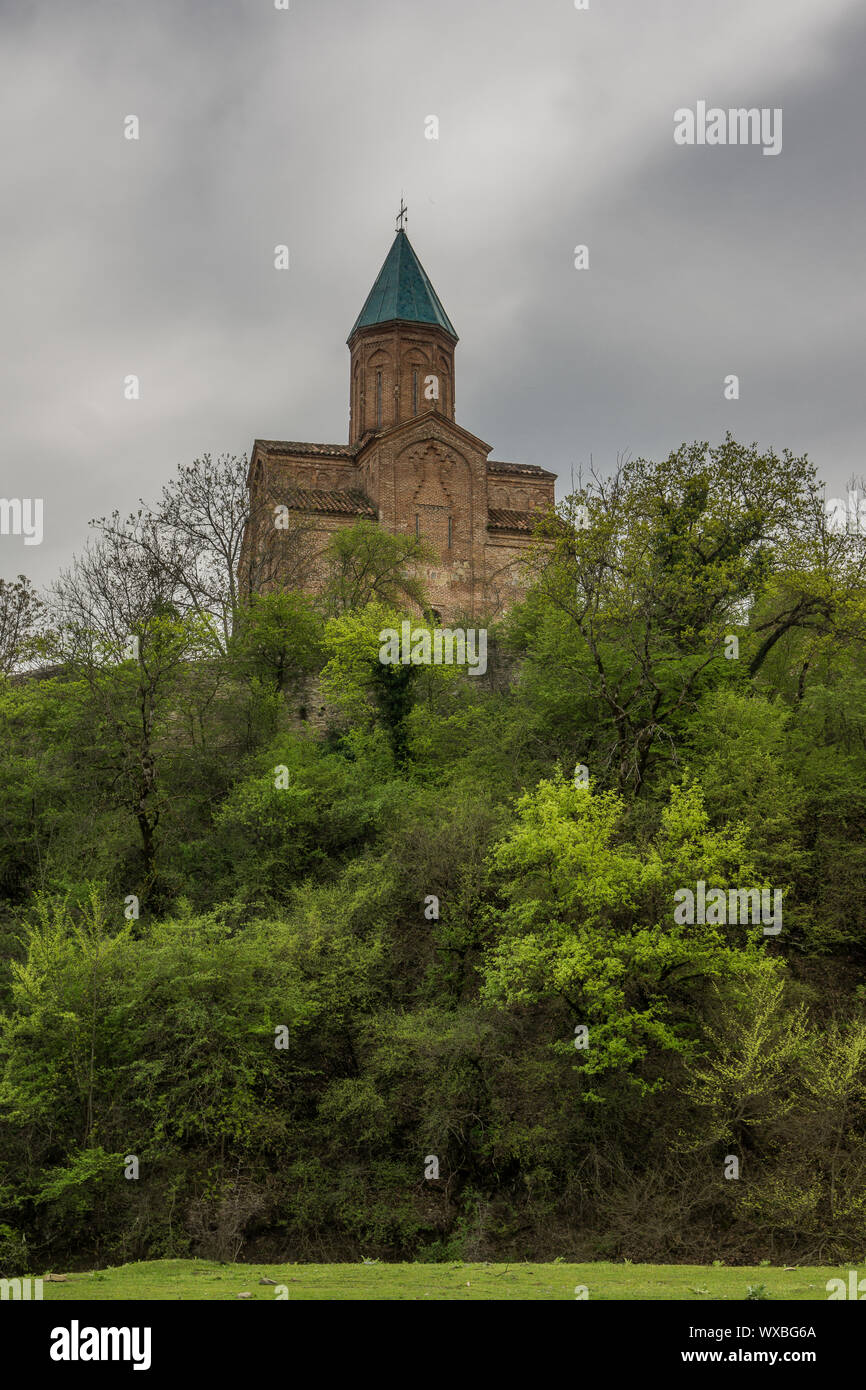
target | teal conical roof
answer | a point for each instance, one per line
(403, 291)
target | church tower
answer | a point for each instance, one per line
(402, 349)
(408, 467)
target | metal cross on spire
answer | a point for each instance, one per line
(401, 216)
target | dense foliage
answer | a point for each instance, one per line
(285, 925)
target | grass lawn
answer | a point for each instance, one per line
(208, 1280)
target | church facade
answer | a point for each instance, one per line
(408, 465)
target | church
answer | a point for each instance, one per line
(408, 466)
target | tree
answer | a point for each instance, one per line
(654, 570)
(21, 617)
(364, 686)
(217, 541)
(815, 597)
(116, 628)
(367, 563)
(277, 638)
(589, 920)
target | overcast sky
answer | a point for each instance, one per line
(261, 126)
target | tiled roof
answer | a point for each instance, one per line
(344, 502)
(502, 519)
(495, 466)
(403, 291)
(285, 446)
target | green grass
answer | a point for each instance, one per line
(208, 1280)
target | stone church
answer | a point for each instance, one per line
(408, 465)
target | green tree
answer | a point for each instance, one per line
(368, 564)
(277, 639)
(644, 578)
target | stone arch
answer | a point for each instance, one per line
(443, 369)
(414, 367)
(379, 406)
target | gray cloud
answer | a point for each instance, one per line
(556, 127)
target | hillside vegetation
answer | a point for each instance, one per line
(409, 982)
